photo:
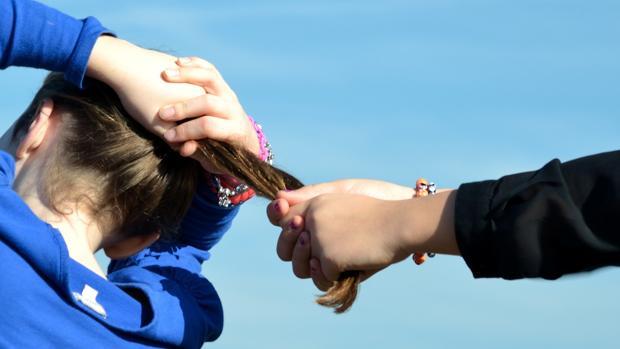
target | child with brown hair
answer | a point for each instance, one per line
(79, 174)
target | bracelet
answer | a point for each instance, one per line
(265, 152)
(423, 188)
(231, 192)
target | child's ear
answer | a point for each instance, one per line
(37, 131)
(130, 246)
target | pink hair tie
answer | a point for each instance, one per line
(265, 152)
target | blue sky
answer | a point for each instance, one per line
(454, 91)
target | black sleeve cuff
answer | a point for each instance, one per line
(471, 226)
(560, 219)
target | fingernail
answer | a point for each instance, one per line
(303, 238)
(167, 112)
(276, 206)
(172, 73)
(170, 134)
(184, 60)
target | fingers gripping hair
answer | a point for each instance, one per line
(267, 181)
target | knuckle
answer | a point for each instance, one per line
(181, 109)
(209, 79)
(204, 100)
(201, 103)
(208, 65)
(180, 131)
(219, 108)
(203, 123)
(312, 218)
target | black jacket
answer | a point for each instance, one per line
(563, 218)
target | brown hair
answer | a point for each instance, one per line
(267, 181)
(141, 184)
(131, 180)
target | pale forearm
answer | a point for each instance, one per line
(118, 62)
(136, 76)
(104, 62)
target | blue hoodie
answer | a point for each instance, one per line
(156, 298)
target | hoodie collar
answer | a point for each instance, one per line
(43, 247)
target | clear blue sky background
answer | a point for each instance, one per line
(456, 91)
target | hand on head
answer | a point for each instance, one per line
(215, 115)
(197, 102)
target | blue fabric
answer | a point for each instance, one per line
(40, 286)
(34, 35)
(157, 298)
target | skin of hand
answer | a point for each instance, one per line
(216, 115)
(190, 88)
(136, 76)
(329, 228)
(373, 188)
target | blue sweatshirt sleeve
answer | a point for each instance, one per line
(178, 265)
(34, 35)
(206, 222)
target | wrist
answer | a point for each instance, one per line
(428, 224)
(114, 61)
(101, 63)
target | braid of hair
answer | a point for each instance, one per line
(267, 180)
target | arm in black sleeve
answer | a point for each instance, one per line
(563, 218)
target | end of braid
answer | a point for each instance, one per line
(343, 293)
